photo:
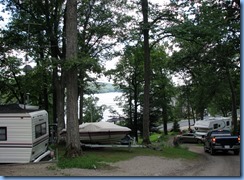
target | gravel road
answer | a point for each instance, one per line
(206, 165)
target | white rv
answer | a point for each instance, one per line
(23, 133)
(212, 123)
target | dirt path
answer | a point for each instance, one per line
(138, 166)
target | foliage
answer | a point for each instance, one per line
(207, 35)
(11, 81)
(128, 76)
(93, 112)
(162, 88)
(176, 126)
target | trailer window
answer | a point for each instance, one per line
(41, 129)
(227, 123)
(216, 126)
(3, 133)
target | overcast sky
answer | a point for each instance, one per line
(5, 16)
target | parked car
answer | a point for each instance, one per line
(189, 138)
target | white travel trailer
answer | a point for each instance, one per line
(212, 123)
(23, 133)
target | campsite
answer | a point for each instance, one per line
(170, 60)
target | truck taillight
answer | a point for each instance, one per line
(239, 139)
(213, 139)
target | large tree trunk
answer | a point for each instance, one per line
(60, 106)
(135, 111)
(135, 87)
(165, 112)
(55, 82)
(147, 70)
(188, 108)
(44, 95)
(81, 95)
(234, 107)
(73, 141)
(131, 125)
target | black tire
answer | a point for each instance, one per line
(225, 151)
(236, 152)
(199, 141)
(212, 151)
(205, 149)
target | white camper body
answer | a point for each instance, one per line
(212, 123)
(23, 135)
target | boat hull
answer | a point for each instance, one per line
(101, 133)
(102, 137)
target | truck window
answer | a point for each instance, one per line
(3, 133)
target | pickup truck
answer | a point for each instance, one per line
(221, 140)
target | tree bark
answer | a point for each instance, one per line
(81, 95)
(147, 70)
(234, 107)
(135, 110)
(165, 111)
(73, 141)
(60, 106)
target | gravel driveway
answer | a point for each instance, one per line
(138, 166)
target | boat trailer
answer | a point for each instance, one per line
(112, 145)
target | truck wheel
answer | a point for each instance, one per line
(212, 151)
(205, 149)
(199, 141)
(225, 151)
(236, 152)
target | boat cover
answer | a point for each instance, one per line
(102, 127)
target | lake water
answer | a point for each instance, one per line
(108, 99)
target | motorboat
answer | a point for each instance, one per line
(101, 132)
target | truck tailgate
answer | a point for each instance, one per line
(227, 140)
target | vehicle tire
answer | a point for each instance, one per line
(199, 141)
(225, 151)
(212, 151)
(205, 149)
(236, 152)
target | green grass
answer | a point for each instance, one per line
(179, 152)
(155, 137)
(100, 157)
